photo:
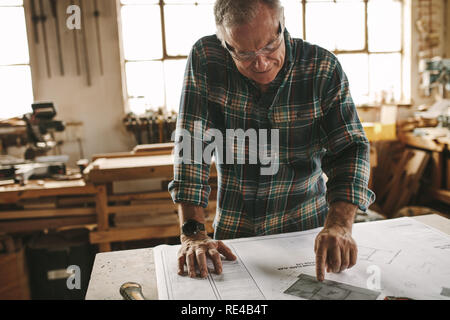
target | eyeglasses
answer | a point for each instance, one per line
(251, 55)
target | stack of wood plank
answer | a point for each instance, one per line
(397, 176)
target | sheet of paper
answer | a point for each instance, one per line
(397, 257)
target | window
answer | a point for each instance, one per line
(157, 37)
(365, 35)
(16, 94)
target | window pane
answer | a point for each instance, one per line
(384, 72)
(16, 91)
(316, 31)
(174, 76)
(334, 0)
(182, 30)
(356, 67)
(384, 24)
(141, 29)
(335, 25)
(139, 1)
(145, 81)
(13, 36)
(349, 30)
(11, 3)
(293, 17)
(189, 2)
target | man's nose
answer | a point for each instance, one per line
(261, 63)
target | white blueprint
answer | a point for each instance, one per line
(398, 257)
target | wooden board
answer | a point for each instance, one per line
(405, 182)
(45, 213)
(39, 224)
(440, 195)
(120, 169)
(154, 147)
(13, 193)
(139, 151)
(425, 142)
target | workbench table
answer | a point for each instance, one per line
(112, 269)
(24, 220)
(104, 171)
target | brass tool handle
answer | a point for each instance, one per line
(131, 291)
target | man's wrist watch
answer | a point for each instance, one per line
(192, 227)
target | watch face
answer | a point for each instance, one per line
(191, 227)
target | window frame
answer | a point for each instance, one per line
(22, 5)
(365, 50)
(404, 92)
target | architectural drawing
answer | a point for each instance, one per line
(308, 287)
(409, 256)
(377, 255)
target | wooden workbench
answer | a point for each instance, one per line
(104, 171)
(112, 269)
(33, 219)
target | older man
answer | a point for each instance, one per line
(253, 75)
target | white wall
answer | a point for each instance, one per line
(100, 107)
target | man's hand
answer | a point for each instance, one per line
(194, 251)
(334, 246)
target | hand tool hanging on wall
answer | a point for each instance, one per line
(54, 6)
(44, 36)
(35, 18)
(97, 29)
(133, 124)
(85, 48)
(149, 130)
(155, 127)
(76, 49)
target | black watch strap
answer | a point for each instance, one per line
(191, 227)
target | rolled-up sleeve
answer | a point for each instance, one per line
(190, 172)
(346, 162)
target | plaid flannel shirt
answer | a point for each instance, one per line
(310, 104)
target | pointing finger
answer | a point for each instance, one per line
(223, 249)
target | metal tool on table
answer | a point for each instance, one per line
(25, 172)
(43, 19)
(397, 298)
(40, 125)
(54, 7)
(131, 291)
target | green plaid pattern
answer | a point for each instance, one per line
(310, 104)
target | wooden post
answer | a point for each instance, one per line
(101, 201)
(437, 169)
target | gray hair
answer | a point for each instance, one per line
(231, 13)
